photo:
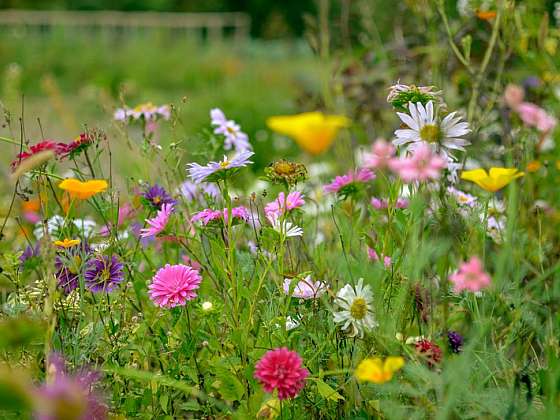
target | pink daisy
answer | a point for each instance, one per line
(423, 165)
(174, 285)
(158, 223)
(470, 276)
(305, 289)
(382, 153)
(278, 206)
(360, 176)
(281, 369)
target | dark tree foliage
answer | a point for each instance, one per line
(269, 18)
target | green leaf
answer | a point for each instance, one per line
(327, 392)
(229, 386)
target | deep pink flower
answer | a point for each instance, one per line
(174, 285)
(534, 116)
(421, 166)
(283, 203)
(157, 223)
(470, 276)
(34, 149)
(360, 176)
(381, 155)
(281, 369)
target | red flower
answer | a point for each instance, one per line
(36, 148)
(429, 351)
(281, 369)
(79, 143)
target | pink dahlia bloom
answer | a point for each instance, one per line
(305, 289)
(283, 203)
(360, 176)
(381, 155)
(158, 223)
(470, 276)
(534, 116)
(423, 165)
(281, 369)
(174, 285)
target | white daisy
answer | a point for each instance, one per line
(285, 229)
(356, 312)
(423, 126)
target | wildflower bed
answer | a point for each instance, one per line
(420, 280)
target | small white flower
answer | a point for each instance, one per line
(285, 228)
(87, 226)
(423, 126)
(356, 312)
(207, 306)
(54, 224)
(292, 323)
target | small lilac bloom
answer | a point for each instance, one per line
(199, 173)
(234, 137)
(305, 289)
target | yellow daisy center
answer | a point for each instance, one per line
(224, 164)
(430, 133)
(358, 310)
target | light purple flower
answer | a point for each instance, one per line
(234, 137)
(305, 289)
(199, 173)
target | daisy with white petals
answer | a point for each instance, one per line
(423, 126)
(356, 312)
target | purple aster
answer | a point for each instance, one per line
(104, 273)
(199, 173)
(455, 341)
(28, 253)
(196, 192)
(69, 396)
(69, 265)
(156, 196)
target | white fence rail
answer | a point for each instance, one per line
(214, 25)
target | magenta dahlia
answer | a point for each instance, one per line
(174, 285)
(281, 369)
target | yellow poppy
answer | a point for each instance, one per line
(67, 243)
(314, 132)
(378, 371)
(83, 190)
(494, 180)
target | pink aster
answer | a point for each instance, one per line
(281, 369)
(158, 223)
(470, 276)
(534, 116)
(283, 203)
(174, 285)
(423, 165)
(381, 155)
(360, 176)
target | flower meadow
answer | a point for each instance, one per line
(402, 262)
